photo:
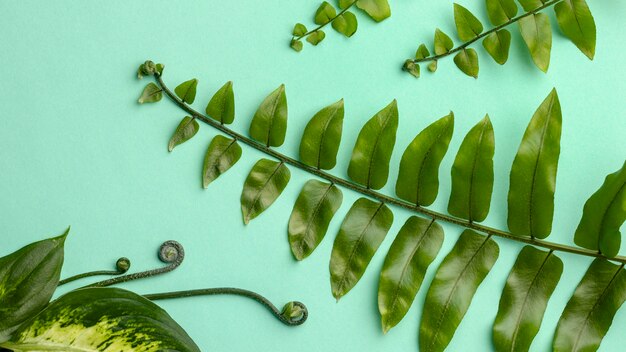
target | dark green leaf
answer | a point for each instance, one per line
(589, 313)
(325, 13)
(422, 52)
(315, 207)
(299, 30)
(443, 43)
(497, 45)
(186, 91)
(530, 5)
(151, 94)
(186, 129)
(322, 136)
(346, 24)
(472, 174)
(418, 178)
(414, 248)
(369, 164)
(378, 10)
(362, 231)
(603, 215)
(222, 104)
(533, 174)
(576, 22)
(501, 11)
(269, 123)
(467, 25)
(28, 278)
(524, 299)
(296, 45)
(265, 182)
(537, 35)
(467, 61)
(98, 319)
(451, 292)
(316, 37)
(412, 68)
(221, 155)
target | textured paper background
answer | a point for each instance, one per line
(77, 150)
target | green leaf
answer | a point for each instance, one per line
(315, 207)
(443, 43)
(472, 174)
(530, 5)
(528, 288)
(589, 313)
(98, 319)
(422, 52)
(344, 4)
(151, 94)
(378, 10)
(186, 129)
(322, 136)
(316, 37)
(265, 182)
(269, 123)
(467, 61)
(501, 11)
(418, 178)
(414, 248)
(325, 13)
(296, 45)
(159, 68)
(28, 278)
(221, 155)
(603, 215)
(362, 231)
(537, 35)
(451, 292)
(432, 66)
(576, 22)
(467, 25)
(299, 30)
(346, 24)
(369, 164)
(533, 174)
(222, 104)
(186, 91)
(412, 68)
(497, 45)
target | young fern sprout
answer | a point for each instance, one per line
(573, 18)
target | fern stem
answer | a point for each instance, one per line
(283, 316)
(484, 34)
(324, 25)
(377, 195)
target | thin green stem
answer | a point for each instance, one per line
(484, 34)
(373, 194)
(323, 25)
(294, 313)
(121, 267)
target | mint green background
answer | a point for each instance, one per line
(77, 150)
